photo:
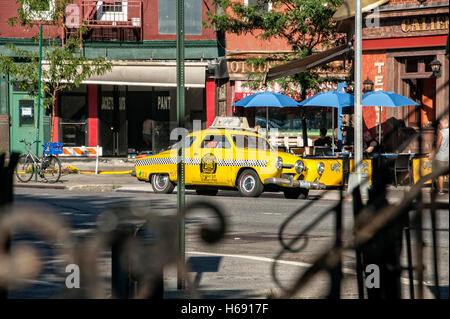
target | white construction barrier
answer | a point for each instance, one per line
(88, 151)
(82, 151)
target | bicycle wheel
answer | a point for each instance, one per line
(25, 168)
(51, 169)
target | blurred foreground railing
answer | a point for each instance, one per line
(376, 238)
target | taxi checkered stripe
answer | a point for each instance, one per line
(197, 161)
(230, 162)
(156, 161)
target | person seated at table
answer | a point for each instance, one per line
(370, 145)
(323, 140)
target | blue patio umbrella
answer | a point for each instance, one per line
(385, 99)
(267, 99)
(335, 99)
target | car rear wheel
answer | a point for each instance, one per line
(207, 192)
(249, 184)
(294, 193)
(162, 184)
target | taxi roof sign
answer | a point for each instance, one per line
(230, 122)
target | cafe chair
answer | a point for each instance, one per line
(402, 165)
(322, 150)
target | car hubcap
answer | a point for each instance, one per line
(161, 181)
(248, 183)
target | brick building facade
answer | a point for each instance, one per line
(139, 38)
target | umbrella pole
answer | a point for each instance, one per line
(379, 125)
(332, 133)
(267, 121)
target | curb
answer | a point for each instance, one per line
(86, 187)
(40, 186)
(106, 172)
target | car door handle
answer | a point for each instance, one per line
(195, 153)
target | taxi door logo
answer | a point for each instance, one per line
(365, 167)
(208, 167)
(335, 167)
(427, 166)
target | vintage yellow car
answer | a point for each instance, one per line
(224, 157)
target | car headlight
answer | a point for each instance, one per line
(279, 163)
(299, 166)
(320, 168)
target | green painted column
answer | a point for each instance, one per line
(39, 97)
(181, 124)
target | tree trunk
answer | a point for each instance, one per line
(303, 118)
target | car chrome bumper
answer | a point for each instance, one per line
(294, 183)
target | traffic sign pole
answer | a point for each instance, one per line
(181, 124)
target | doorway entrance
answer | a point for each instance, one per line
(73, 111)
(23, 113)
(423, 91)
(113, 120)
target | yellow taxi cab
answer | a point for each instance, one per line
(229, 155)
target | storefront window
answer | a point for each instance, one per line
(73, 116)
(192, 17)
(412, 65)
(26, 112)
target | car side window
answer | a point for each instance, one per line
(254, 142)
(215, 141)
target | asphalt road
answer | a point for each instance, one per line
(241, 262)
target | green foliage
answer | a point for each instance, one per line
(304, 24)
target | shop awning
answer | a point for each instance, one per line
(308, 62)
(151, 74)
(347, 9)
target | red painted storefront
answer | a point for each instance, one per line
(407, 33)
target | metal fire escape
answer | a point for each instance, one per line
(110, 20)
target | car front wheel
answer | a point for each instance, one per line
(249, 184)
(162, 184)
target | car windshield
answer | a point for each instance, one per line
(250, 141)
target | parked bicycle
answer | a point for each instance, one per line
(48, 166)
